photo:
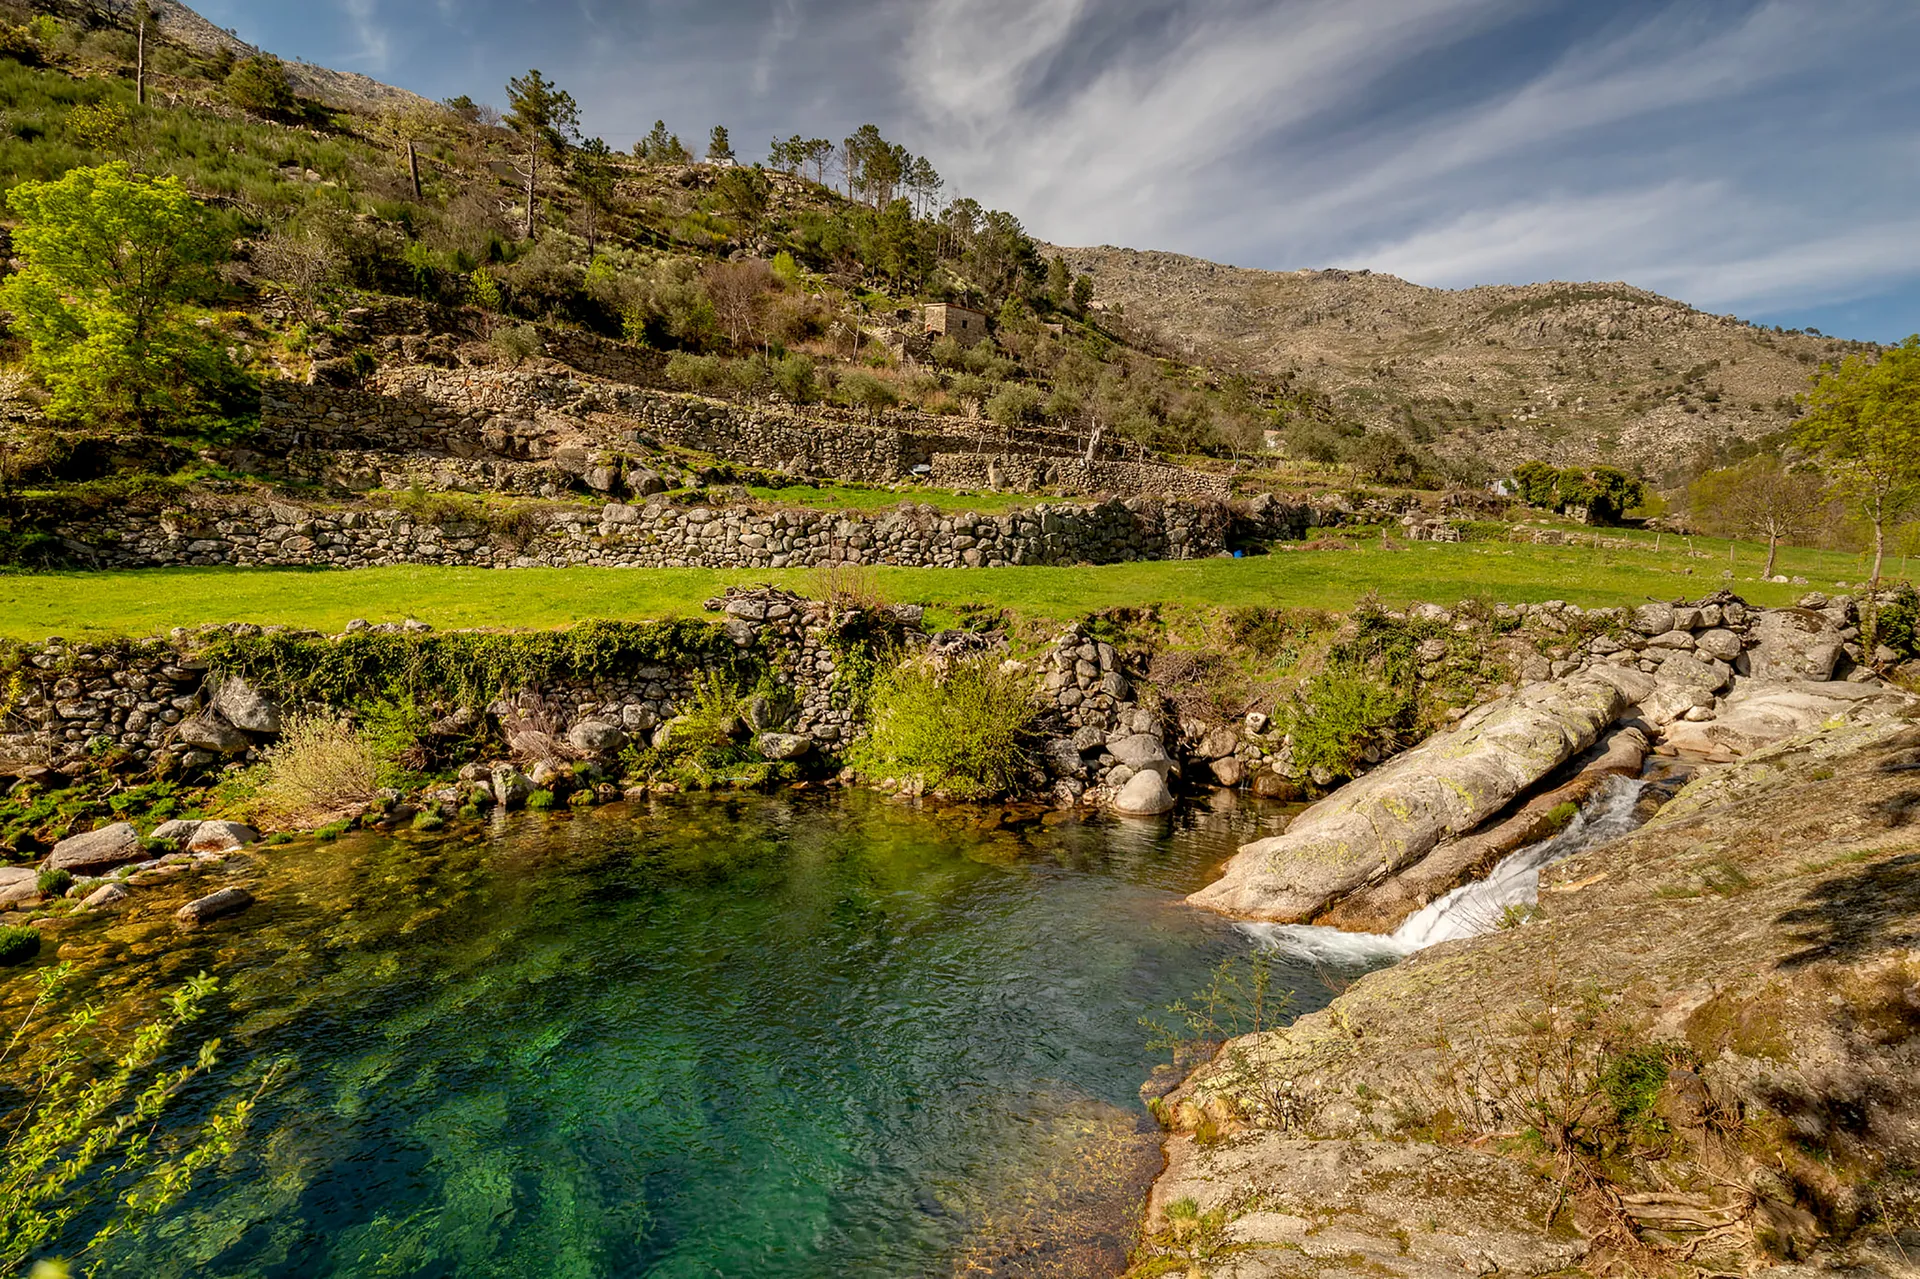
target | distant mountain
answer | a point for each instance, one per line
(1569, 373)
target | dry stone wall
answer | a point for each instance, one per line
(659, 535)
(489, 417)
(157, 704)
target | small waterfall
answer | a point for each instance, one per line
(1471, 909)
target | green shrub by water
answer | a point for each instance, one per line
(541, 801)
(53, 883)
(18, 943)
(1342, 714)
(965, 731)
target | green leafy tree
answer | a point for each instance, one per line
(746, 192)
(111, 260)
(90, 1103)
(1863, 422)
(259, 84)
(1760, 498)
(719, 147)
(547, 119)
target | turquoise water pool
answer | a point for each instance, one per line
(798, 1035)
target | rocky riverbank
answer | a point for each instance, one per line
(1698, 1054)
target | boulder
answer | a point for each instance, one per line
(98, 851)
(1794, 644)
(510, 786)
(206, 733)
(596, 737)
(1219, 742)
(1445, 787)
(1653, 619)
(1144, 795)
(783, 746)
(106, 895)
(175, 832)
(221, 837)
(18, 884)
(1719, 643)
(1089, 739)
(1142, 753)
(1227, 770)
(245, 707)
(766, 713)
(228, 901)
(1686, 670)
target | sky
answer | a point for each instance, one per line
(1750, 157)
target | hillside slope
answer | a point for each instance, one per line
(1570, 373)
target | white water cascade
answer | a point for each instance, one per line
(1471, 909)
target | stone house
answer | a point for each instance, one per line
(963, 324)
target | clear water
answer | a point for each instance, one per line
(772, 1036)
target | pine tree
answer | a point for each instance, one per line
(547, 117)
(718, 146)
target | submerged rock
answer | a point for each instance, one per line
(1444, 787)
(228, 901)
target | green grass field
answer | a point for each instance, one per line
(34, 606)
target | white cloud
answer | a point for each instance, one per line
(1704, 154)
(374, 42)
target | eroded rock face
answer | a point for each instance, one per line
(98, 851)
(1795, 644)
(1757, 714)
(1444, 787)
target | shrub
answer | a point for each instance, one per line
(260, 85)
(1897, 624)
(1342, 716)
(704, 738)
(18, 943)
(53, 883)
(541, 801)
(320, 767)
(697, 372)
(964, 730)
(517, 344)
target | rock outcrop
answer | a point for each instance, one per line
(1443, 788)
(1755, 944)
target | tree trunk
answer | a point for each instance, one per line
(1773, 548)
(1879, 545)
(140, 64)
(533, 183)
(413, 168)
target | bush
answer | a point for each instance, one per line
(1340, 717)
(320, 767)
(541, 801)
(53, 883)
(1897, 625)
(964, 730)
(516, 344)
(260, 85)
(697, 372)
(17, 944)
(704, 739)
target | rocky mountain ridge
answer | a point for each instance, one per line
(1571, 373)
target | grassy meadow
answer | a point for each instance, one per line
(148, 601)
